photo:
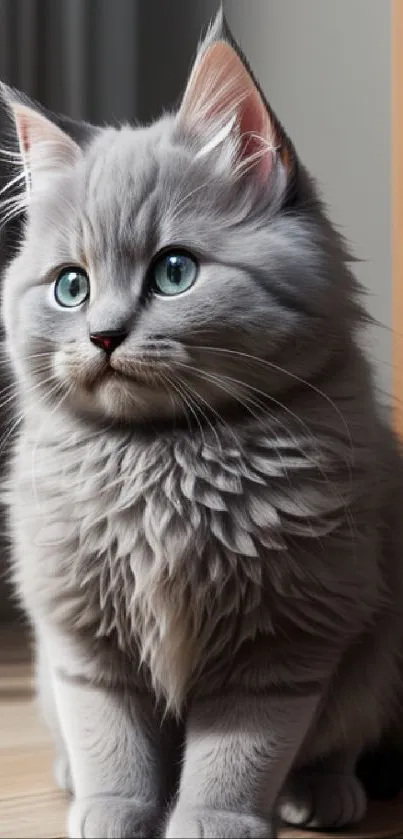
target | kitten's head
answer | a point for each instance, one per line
(177, 269)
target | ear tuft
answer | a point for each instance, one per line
(217, 31)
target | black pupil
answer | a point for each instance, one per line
(174, 269)
(75, 285)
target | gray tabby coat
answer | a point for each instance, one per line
(207, 521)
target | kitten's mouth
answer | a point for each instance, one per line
(126, 390)
(138, 373)
(114, 375)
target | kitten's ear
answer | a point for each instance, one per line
(223, 104)
(44, 147)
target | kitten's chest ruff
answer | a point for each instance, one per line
(162, 542)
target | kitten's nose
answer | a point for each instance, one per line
(108, 341)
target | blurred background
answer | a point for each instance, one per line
(325, 66)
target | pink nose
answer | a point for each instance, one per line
(108, 341)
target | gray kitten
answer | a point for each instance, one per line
(206, 508)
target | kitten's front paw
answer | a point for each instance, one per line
(111, 818)
(323, 800)
(216, 824)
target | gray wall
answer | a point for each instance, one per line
(325, 68)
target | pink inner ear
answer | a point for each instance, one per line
(220, 84)
(257, 133)
(41, 140)
(24, 136)
(30, 126)
(25, 126)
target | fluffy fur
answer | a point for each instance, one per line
(206, 523)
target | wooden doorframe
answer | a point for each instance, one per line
(397, 209)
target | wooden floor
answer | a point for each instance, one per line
(30, 804)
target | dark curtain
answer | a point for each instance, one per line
(98, 60)
(101, 59)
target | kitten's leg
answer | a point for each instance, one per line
(114, 744)
(46, 698)
(325, 795)
(239, 750)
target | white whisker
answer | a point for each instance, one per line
(10, 431)
(222, 382)
(187, 400)
(271, 365)
(190, 389)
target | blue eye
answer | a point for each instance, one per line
(72, 287)
(173, 273)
